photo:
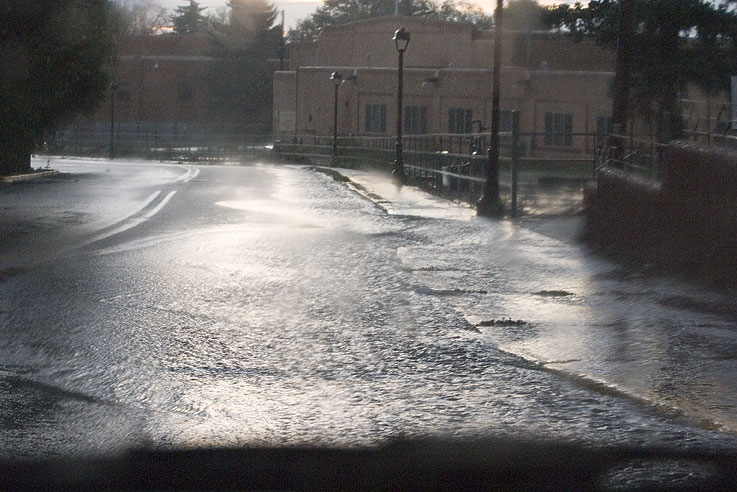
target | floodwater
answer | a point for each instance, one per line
(273, 305)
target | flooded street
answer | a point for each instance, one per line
(179, 306)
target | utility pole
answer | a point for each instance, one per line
(113, 88)
(489, 203)
(622, 77)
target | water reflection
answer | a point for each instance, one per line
(624, 331)
(219, 322)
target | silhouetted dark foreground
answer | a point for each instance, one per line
(427, 465)
(686, 223)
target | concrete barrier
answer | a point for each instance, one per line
(687, 222)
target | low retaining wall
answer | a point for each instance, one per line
(687, 222)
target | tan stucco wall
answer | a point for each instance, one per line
(436, 44)
(369, 44)
(152, 72)
(540, 73)
(533, 93)
(284, 102)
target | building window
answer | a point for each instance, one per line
(559, 129)
(505, 121)
(184, 92)
(459, 120)
(415, 120)
(123, 91)
(376, 118)
(603, 128)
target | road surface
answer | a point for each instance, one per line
(150, 304)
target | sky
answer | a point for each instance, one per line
(296, 10)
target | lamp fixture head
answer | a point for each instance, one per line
(401, 39)
(336, 78)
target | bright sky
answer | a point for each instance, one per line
(295, 10)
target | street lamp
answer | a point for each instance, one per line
(336, 78)
(401, 40)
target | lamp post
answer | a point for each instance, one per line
(336, 79)
(401, 40)
(113, 89)
(489, 203)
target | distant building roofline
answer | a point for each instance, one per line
(400, 20)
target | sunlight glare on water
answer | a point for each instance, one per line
(291, 310)
(586, 318)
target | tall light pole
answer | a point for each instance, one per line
(489, 203)
(336, 79)
(401, 40)
(113, 88)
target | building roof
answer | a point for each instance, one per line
(415, 23)
(166, 45)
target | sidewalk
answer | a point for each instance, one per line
(529, 286)
(409, 200)
(18, 178)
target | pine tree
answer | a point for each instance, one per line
(188, 19)
(676, 43)
(333, 12)
(240, 81)
(139, 17)
(55, 59)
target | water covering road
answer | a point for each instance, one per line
(164, 305)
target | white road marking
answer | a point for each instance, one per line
(158, 207)
(133, 222)
(189, 175)
(148, 201)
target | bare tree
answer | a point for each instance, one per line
(143, 17)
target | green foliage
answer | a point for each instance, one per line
(55, 57)
(676, 43)
(240, 81)
(188, 19)
(334, 12)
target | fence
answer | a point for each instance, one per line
(708, 123)
(535, 178)
(167, 140)
(645, 153)
(642, 156)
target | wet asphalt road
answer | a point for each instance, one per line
(173, 306)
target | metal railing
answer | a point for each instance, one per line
(643, 156)
(169, 141)
(535, 178)
(708, 123)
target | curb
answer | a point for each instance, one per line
(378, 201)
(29, 177)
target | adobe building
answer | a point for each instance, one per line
(560, 88)
(162, 79)
(159, 97)
(159, 87)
